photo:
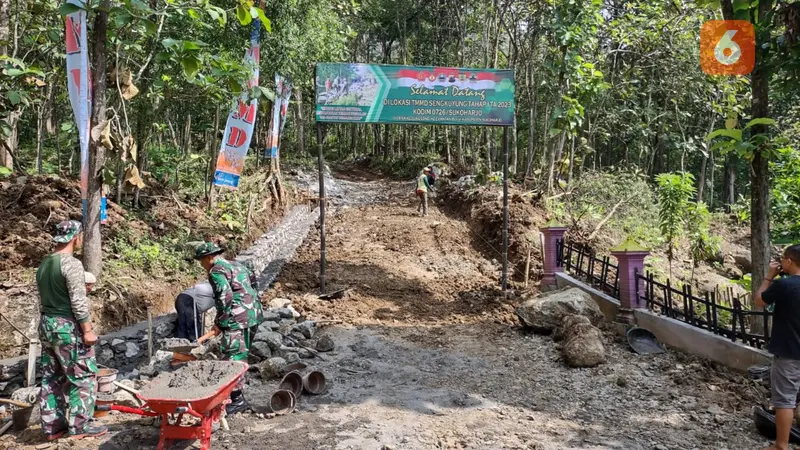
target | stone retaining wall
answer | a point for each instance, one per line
(124, 350)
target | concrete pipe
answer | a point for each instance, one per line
(282, 402)
(293, 382)
(314, 382)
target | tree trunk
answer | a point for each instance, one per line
(701, 179)
(447, 145)
(512, 168)
(301, 133)
(5, 16)
(212, 162)
(386, 143)
(39, 137)
(571, 161)
(711, 190)
(58, 137)
(532, 92)
(93, 255)
(460, 147)
(354, 138)
(730, 181)
(759, 176)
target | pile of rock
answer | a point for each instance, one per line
(126, 349)
(571, 315)
(284, 337)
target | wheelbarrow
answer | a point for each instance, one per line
(208, 410)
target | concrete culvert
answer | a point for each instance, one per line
(282, 402)
(314, 383)
(292, 382)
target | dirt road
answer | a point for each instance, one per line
(430, 357)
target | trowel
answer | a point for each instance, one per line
(187, 352)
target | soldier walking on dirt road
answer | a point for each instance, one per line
(68, 363)
(239, 311)
(423, 186)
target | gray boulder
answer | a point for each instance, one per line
(271, 316)
(273, 339)
(307, 328)
(544, 312)
(268, 326)
(261, 350)
(284, 313)
(271, 369)
(325, 344)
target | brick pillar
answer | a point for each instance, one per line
(552, 234)
(630, 257)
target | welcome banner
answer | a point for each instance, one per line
(372, 93)
(79, 87)
(240, 124)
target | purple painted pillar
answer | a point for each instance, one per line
(630, 257)
(552, 234)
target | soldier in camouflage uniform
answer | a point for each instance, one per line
(68, 365)
(239, 311)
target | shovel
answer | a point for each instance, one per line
(20, 417)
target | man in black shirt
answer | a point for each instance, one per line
(784, 345)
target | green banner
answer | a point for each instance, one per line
(371, 93)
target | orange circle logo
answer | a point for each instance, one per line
(727, 47)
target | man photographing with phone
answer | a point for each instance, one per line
(784, 294)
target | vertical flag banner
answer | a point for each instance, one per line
(79, 87)
(241, 121)
(272, 140)
(285, 96)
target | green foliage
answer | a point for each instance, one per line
(405, 167)
(674, 194)
(703, 245)
(741, 210)
(153, 257)
(596, 194)
(785, 190)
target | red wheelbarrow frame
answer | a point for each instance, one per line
(208, 410)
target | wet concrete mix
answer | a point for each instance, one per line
(195, 380)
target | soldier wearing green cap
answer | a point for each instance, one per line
(69, 370)
(239, 311)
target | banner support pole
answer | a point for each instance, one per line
(505, 211)
(321, 169)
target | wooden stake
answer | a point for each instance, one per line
(34, 347)
(528, 267)
(149, 334)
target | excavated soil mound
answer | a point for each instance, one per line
(397, 267)
(195, 380)
(482, 208)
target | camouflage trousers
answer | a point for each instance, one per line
(235, 346)
(68, 377)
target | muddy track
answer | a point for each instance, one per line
(429, 356)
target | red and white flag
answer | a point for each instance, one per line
(240, 124)
(445, 76)
(79, 85)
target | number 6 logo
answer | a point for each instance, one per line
(727, 47)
